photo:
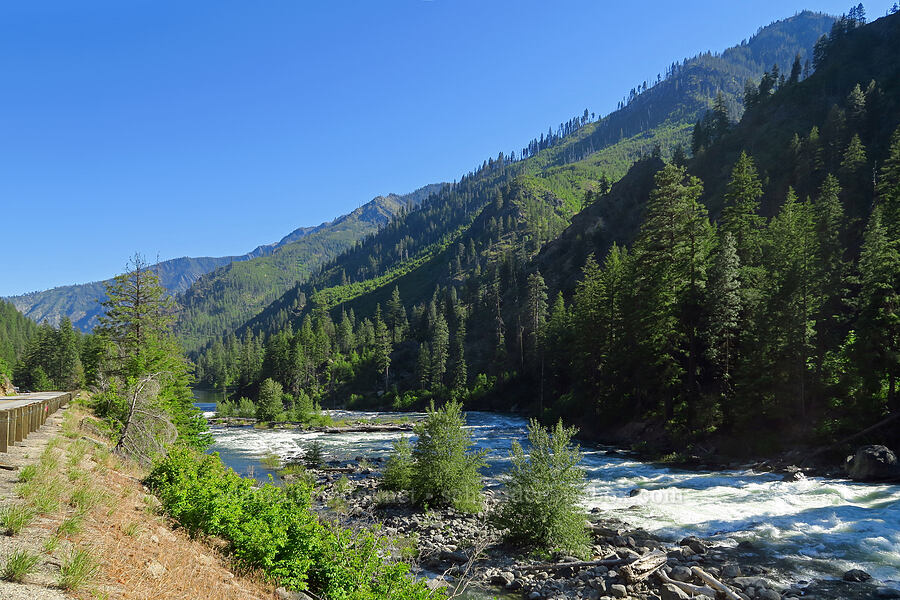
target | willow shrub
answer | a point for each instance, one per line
(274, 529)
(446, 470)
(544, 490)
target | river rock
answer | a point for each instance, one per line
(731, 570)
(680, 573)
(618, 590)
(503, 579)
(694, 543)
(856, 576)
(793, 473)
(767, 594)
(671, 592)
(286, 594)
(872, 463)
(886, 592)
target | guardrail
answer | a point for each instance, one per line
(24, 414)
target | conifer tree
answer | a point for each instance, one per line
(740, 216)
(878, 328)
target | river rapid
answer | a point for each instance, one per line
(814, 528)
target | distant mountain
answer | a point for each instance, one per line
(80, 302)
(223, 299)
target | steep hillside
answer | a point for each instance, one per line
(554, 172)
(717, 301)
(81, 303)
(221, 300)
(15, 332)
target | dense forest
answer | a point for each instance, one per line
(751, 287)
(15, 332)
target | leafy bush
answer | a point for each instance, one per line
(243, 408)
(275, 530)
(399, 467)
(269, 404)
(544, 491)
(446, 471)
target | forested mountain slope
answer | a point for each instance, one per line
(751, 288)
(81, 302)
(16, 331)
(221, 300)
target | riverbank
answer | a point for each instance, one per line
(458, 551)
(90, 530)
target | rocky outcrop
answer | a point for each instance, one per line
(6, 386)
(873, 463)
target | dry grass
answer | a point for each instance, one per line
(109, 519)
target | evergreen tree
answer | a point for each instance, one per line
(740, 216)
(888, 189)
(383, 346)
(724, 297)
(536, 307)
(440, 349)
(878, 328)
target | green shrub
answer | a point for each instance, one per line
(274, 529)
(19, 564)
(399, 467)
(446, 471)
(544, 490)
(270, 404)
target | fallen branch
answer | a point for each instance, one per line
(644, 566)
(687, 587)
(715, 583)
(606, 562)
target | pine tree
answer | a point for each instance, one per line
(440, 348)
(888, 189)
(536, 309)
(878, 328)
(740, 216)
(269, 404)
(671, 256)
(724, 298)
(383, 346)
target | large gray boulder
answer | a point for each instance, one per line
(872, 463)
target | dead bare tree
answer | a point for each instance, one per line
(148, 429)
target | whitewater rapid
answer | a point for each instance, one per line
(812, 528)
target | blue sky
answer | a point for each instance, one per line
(206, 128)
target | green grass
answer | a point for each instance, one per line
(77, 569)
(43, 494)
(84, 498)
(14, 519)
(71, 525)
(271, 461)
(19, 564)
(28, 472)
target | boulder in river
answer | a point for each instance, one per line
(856, 576)
(872, 463)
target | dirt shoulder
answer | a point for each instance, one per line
(96, 531)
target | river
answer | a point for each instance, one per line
(812, 528)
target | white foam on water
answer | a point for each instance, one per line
(820, 527)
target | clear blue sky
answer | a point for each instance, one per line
(205, 128)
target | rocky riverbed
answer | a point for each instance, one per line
(463, 551)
